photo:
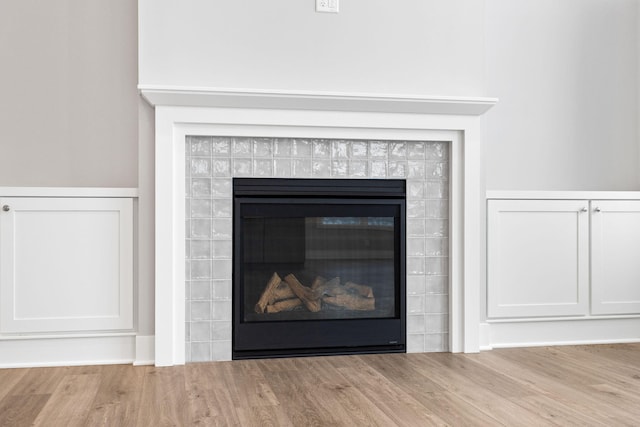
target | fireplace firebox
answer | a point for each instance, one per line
(319, 267)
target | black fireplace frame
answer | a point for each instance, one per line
(329, 336)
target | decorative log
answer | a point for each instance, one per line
(331, 288)
(317, 282)
(351, 302)
(266, 294)
(281, 292)
(362, 290)
(310, 299)
(284, 305)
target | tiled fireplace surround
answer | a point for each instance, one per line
(212, 162)
(344, 135)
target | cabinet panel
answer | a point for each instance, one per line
(615, 257)
(66, 264)
(537, 255)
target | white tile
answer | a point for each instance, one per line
(200, 351)
(416, 285)
(200, 228)
(200, 290)
(434, 343)
(200, 269)
(200, 331)
(221, 208)
(221, 228)
(359, 149)
(397, 169)
(416, 190)
(379, 149)
(436, 227)
(242, 147)
(282, 167)
(282, 147)
(415, 304)
(340, 149)
(437, 151)
(436, 170)
(397, 150)
(200, 166)
(200, 208)
(221, 187)
(416, 169)
(263, 168)
(415, 227)
(221, 269)
(321, 148)
(301, 148)
(437, 209)
(220, 330)
(416, 247)
(339, 168)
(302, 168)
(416, 208)
(200, 187)
(358, 168)
(321, 168)
(200, 310)
(437, 246)
(415, 323)
(262, 147)
(436, 304)
(222, 168)
(221, 289)
(437, 284)
(415, 150)
(200, 249)
(436, 266)
(221, 310)
(378, 169)
(242, 167)
(221, 351)
(436, 323)
(415, 266)
(222, 249)
(221, 146)
(415, 343)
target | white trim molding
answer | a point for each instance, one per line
(180, 113)
(325, 101)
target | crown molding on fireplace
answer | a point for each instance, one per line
(178, 96)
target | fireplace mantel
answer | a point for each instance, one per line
(225, 112)
(325, 101)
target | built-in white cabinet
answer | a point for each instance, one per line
(66, 264)
(615, 257)
(538, 258)
(550, 258)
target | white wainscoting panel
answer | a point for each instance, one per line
(66, 265)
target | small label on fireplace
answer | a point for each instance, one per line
(393, 342)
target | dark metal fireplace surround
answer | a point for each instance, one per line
(339, 242)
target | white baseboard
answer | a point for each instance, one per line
(145, 350)
(22, 352)
(485, 337)
(535, 333)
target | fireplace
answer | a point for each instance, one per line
(180, 112)
(319, 266)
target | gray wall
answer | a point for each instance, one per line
(68, 103)
(566, 73)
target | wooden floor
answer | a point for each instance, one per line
(586, 385)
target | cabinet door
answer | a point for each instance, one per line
(66, 265)
(537, 258)
(615, 257)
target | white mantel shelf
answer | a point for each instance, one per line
(323, 101)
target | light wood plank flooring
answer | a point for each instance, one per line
(582, 386)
